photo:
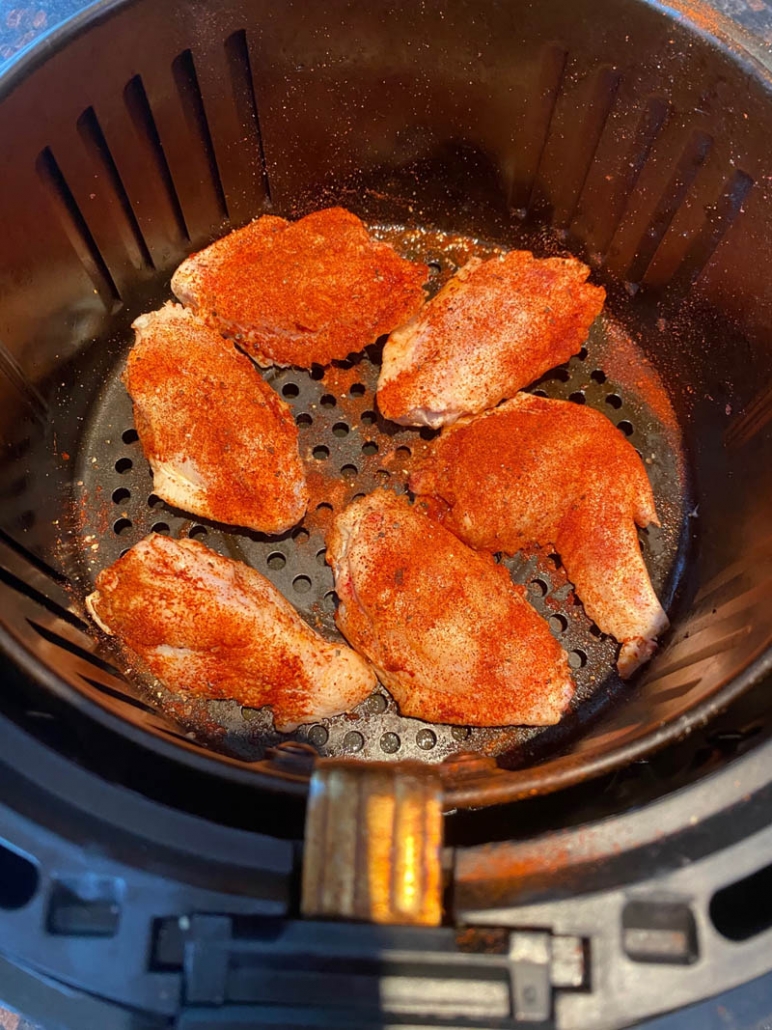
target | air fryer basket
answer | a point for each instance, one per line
(614, 131)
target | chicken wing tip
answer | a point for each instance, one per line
(633, 654)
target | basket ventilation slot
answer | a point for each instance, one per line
(58, 640)
(96, 146)
(141, 115)
(99, 675)
(76, 228)
(186, 80)
(652, 121)
(604, 91)
(119, 695)
(685, 172)
(719, 220)
(13, 544)
(718, 631)
(538, 120)
(12, 581)
(240, 68)
(712, 650)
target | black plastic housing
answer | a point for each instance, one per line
(635, 135)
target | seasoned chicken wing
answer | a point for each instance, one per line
(221, 443)
(298, 293)
(213, 627)
(494, 328)
(536, 472)
(448, 632)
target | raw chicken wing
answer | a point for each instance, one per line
(448, 632)
(220, 442)
(494, 328)
(212, 627)
(538, 472)
(296, 293)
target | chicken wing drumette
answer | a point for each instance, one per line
(546, 472)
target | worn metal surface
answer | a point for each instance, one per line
(373, 844)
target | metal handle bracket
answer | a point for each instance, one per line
(373, 844)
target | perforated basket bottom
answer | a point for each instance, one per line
(350, 450)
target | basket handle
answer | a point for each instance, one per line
(373, 843)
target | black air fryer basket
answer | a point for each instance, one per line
(633, 136)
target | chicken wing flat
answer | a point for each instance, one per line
(450, 635)
(546, 472)
(221, 443)
(298, 293)
(494, 328)
(215, 628)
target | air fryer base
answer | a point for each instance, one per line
(164, 919)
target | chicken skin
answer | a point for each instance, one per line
(450, 635)
(220, 442)
(545, 472)
(215, 628)
(298, 293)
(494, 328)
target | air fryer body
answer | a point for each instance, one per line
(631, 135)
